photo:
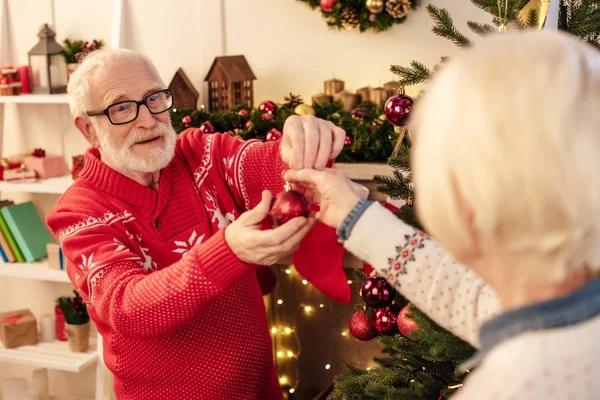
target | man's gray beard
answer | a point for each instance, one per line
(123, 159)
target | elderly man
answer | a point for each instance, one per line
(161, 234)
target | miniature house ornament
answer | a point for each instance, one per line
(185, 94)
(47, 66)
(230, 83)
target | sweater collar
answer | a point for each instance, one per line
(102, 177)
(574, 308)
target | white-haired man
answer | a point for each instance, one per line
(161, 233)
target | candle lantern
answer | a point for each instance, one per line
(349, 100)
(379, 95)
(364, 93)
(47, 66)
(333, 86)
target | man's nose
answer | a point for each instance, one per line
(145, 118)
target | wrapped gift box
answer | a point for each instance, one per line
(18, 328)
(19, 175)
(48, 166)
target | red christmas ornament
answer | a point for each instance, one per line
(243, 113)
(287, 205)
(358, 113)
(347, 140)
(406, 326)
(327, 5)
(187, 120)
(397, 109)
(249, 124)
(274, 134)
(372, 17)
(207, 127)
(266, 279)
(386, 321)
(267, 117)
(268, 106)
(377, 293)
(362, 326)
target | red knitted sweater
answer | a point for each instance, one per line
(180, 315)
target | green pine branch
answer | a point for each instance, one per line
(444, 26)
(413, 75)
(480, 28)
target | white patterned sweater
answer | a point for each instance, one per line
(560, 363)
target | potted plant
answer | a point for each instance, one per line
(72, 50)
(77, 322)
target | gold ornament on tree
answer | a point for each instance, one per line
(397, 8)
(304, 109)
(375, 6)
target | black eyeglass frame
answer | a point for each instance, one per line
(139, 103)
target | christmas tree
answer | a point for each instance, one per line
(419, 358)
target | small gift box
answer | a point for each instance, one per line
(10, 84)
(45, 166)
(18, 328)
(78, 163)
(5, 164)
(19, 175)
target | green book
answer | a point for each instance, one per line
(11, 240)
(28, 229)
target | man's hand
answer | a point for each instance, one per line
(309, 142)
(265, 247)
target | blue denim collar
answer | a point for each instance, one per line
(571, 309)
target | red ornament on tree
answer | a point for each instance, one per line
(267, 117)
(268, 106)
(187, 120)
(386, 321)
(358, 113)
(273, 134)
(377, 293)
(347, 140)
(243, 113)
(406, 326)
(266, 279)
(397, 109)
(207, 127)
(287, 205)
(327, 5)
(362, 326)
(249, 124)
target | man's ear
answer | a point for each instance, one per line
(85, 127)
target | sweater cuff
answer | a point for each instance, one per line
(376, 235)
(218, 263)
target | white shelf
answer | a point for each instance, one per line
(52, 355)
(38, 271)
(36, 99)
(363, 171)
(51, 185)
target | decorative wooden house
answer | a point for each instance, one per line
(230, 83)
(185, 95)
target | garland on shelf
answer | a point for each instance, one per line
(370, 138)
(375, 15)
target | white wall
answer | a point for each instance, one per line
(287, 44)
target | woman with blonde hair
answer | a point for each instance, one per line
(506, 172)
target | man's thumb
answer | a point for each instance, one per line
(261, 210)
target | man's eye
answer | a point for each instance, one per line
(154, 97)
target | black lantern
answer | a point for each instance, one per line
(47, 66)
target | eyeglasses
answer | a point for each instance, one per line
(124, 112)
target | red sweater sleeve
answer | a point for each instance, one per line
(130, 300)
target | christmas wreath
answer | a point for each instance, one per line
(376, 15)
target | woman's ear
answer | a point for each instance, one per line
(85, 127)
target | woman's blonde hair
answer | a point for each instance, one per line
(512, 127)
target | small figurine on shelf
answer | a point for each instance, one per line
(77, 322)
(78, 163)
(73, 50)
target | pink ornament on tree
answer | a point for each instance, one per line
(377, 292)
(327, 5)
(249, 124)
(207, 127)
(267, 117)
(268, 106)
(406, 326)
(274, 134)
(397, 109)
(386, 321)
(358, 113)
(362, 326)
(187, 120)
(347, 140)
(372, 17)
(243, 113)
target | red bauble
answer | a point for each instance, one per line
(386, 321)
(327, 5)
(287, 205)
(267, 117)
(186, 120)
(268, 106)
(274, 134)
(249, 124)
(362, 326)
(243, 113)
(377, 293)
(406, 326)
(207, 127)
(358, 113)
(397, 109)
(266, 279)
(347, 140)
